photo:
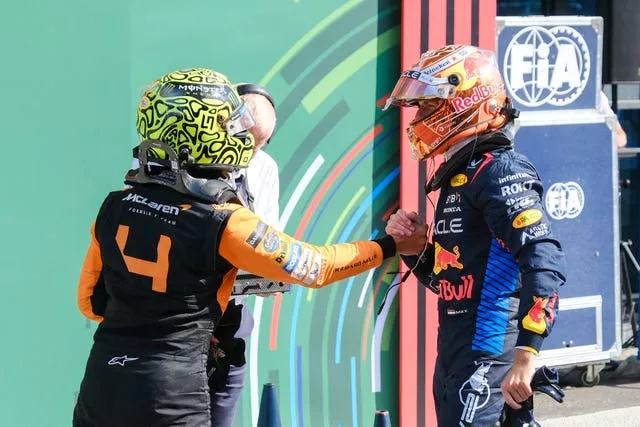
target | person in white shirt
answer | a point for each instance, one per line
(605, 108)
(227, 363)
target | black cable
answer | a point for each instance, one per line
(405, 276)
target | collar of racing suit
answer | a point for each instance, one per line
(503, 138)
(231, 186)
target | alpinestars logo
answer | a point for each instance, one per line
(546, 66)
(136, 198)
(121, 360)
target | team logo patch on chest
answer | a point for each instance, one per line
(445, 259)
(458, 180)
(448, 226)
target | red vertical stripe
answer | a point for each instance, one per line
(431, 352)
(408, 382)
(434, 33)
(431, 310)
(275, 319)
(462, 22)
(437, 27)
(437, 31)
(487, 28)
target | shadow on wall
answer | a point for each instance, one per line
(629, 170)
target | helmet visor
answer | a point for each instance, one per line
(414, 86)
(240, 121)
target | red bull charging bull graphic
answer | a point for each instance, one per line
(540, 313)
(445, 259)
(447, 290)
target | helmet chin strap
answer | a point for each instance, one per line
(171, 173)
(506, 112)
(502, 138)
(451, 151)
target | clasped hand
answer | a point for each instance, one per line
(409, 232)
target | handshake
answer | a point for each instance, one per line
(409, 232)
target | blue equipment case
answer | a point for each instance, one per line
(576, 157)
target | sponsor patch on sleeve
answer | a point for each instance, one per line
(301, 271)
(314, 269)
(257, 234)
(294, 258)
(527, 218)
(283, 250)
(519, 204)
(271, 242)
(534, 320)
(541, 314)
(535, 232)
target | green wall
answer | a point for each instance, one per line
(72, 75)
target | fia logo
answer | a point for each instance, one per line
(564, 200)
(546, 66)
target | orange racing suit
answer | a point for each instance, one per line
(158, 275)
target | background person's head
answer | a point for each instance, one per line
(264, 116)
(262, 107)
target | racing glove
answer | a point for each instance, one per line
(545, 380)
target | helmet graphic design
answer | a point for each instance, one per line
(459, 93)
(199, 114)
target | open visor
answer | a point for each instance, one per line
(414, 86)
(241, 120)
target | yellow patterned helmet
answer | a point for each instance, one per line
(199, 114)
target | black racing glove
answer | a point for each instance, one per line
(545, 380)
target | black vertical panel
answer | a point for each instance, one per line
(421, 330)
(424, 26)
(475, 21)
(622, 31)
(450, 20)
(422, 310)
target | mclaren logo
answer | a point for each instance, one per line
(173, 210)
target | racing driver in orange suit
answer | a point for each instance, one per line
(165, 252)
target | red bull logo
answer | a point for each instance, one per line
(445, 259)
(477, 62)
(479, 93)
(535, 320)
(451, 292)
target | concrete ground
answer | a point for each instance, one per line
(614, 402)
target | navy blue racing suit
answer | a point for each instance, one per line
(497, 268)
